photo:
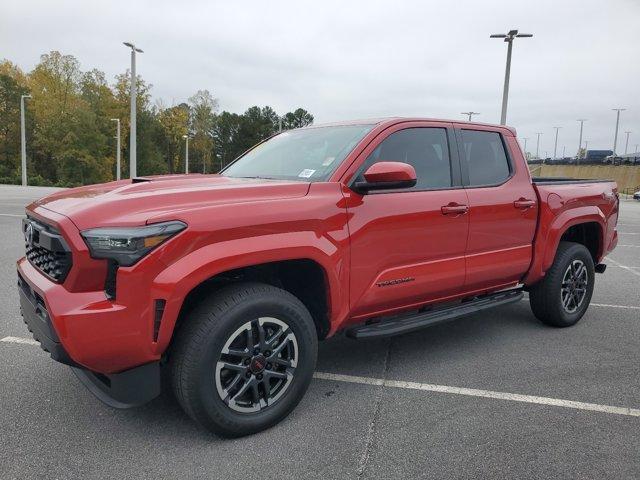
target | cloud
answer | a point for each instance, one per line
(359, 59)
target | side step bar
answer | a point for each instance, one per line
(417, 321)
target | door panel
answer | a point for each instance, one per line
(406, 249)
(502, 218)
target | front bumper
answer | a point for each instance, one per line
(124, 389)
(36, 317)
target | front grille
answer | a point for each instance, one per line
(46, 249)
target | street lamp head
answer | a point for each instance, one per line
(185, 136)
(524, 35)
(497, 35)
(133, 47)
(26, 96)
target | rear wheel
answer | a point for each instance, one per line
(563, 296)
(244, 359)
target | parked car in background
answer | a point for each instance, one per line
(636, 196)
(227, 282)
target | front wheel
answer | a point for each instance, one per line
(244, 359)
(563, 296)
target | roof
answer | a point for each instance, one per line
(393, 120)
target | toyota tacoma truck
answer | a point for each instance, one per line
(219, 287)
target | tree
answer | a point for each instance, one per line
(203, 109)
(297, 119)
(70, 135)
(13, 84)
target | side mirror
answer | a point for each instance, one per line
(387, 176)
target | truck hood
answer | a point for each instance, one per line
(127, 202)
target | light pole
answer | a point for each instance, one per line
(626, 143)
(117, 120)
(132, 126)
(555, 146)
(586, 147)
(615, 136)
(508, 37)
(525, 147)
(564, 148)
(538, 145)
(23, 141)
(581, 120)
(470, 114)
(186, 153)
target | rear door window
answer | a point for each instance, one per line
(484, 158)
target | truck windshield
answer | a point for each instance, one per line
(308, 154)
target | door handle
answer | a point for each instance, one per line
(524, 203)
(454, 209)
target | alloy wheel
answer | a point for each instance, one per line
(574, 286)
(257, 365)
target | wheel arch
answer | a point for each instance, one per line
(585, 225)
(311, 273)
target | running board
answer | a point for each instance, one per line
(417, 321)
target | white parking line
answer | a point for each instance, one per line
(630, 307)
(635, 246)
(628, 233)
(27, 341)
(628, 269)
(472, 392)
(11, 215)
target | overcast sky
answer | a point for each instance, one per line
(358, 59)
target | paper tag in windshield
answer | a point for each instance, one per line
(328, 161)
(306, 173)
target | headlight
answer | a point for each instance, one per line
(128, 245)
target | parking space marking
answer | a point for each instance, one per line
(27, 341)
(628, 233)
(630, 307)
(473, 392)
(11, 215)
(628, 269)
(635, 246)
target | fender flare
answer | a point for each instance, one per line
(550, 237)
(176, 281)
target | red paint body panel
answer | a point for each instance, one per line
(381, 253)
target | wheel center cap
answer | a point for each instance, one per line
(258, 364)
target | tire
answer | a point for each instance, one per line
(563, 308)
(204, 366)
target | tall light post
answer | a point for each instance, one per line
(508, 37)
(538, 145)
(132, 126)
(186, 153)
(525, 147)
(555, 146)
(626, 143)
(117, 120)
(470, 114)
(615, 136)
(586, 147)
(23, 141)
(581, 120)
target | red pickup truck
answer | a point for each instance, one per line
(227, 282)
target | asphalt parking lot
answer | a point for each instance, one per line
(494, 395)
